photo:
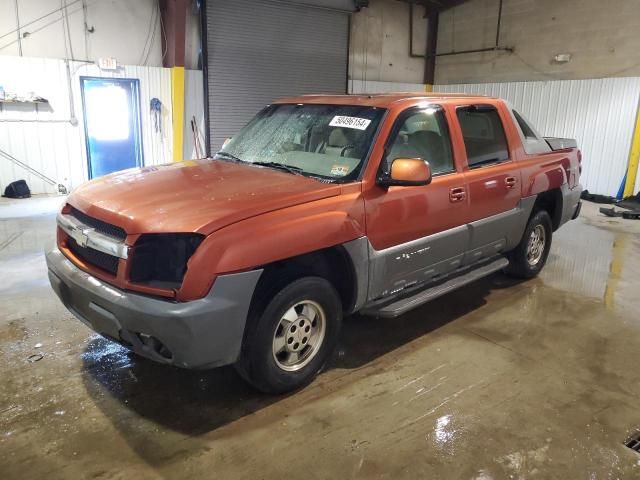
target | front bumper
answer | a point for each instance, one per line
(199, 334)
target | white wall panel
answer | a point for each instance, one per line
(599, 114)
(46, 139)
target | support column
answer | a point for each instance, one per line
(174, 19)
(430, 54)
(634, 158)
(177, 108)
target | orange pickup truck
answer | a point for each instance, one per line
(321, 206)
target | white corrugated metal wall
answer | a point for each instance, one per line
(45, 138)
(599, 114)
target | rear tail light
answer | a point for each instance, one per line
(580, 162)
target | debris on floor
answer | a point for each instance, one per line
(597, 198)
(612, 212)
(36, 357)
(631, 205)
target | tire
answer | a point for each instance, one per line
(289, 340)
(530, 256)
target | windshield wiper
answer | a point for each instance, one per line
(280, 166)
(229, 156)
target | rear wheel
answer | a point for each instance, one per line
(528, 258)
(289, 340)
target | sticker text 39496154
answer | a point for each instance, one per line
(350, 122)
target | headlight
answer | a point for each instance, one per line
(160, 260)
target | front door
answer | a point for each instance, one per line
(493, 181)
(112, 124)
(417, 233)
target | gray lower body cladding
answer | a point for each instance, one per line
(429, 258)
(570, 203)
(198, 334)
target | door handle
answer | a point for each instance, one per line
(510, 182)
(457, 194)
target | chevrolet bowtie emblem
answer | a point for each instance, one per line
(81, 236)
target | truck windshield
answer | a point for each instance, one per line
(326, 141)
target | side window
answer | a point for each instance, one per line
(422, 133)
(483, 135)
(527, 131)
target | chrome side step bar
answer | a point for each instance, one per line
(403, 305)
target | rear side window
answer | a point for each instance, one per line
(483, 134)
(527, 131)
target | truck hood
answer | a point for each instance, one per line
(193, 196)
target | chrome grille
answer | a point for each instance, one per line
(86, 236)
(102, 260)
(98, 225)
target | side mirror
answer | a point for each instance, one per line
(407, 172)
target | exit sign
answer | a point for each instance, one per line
(107, 63)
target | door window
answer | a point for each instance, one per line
(483, 134)
(422, 133)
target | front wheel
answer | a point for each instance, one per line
(289, 341)
(528, 258)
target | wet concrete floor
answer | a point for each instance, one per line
(537, 379)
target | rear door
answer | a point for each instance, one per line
(417, 233)
(492, 178)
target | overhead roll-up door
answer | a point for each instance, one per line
(260, 50)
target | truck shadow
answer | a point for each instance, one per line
(194, 403)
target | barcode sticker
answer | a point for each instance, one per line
(350, 122)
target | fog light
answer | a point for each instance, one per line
(156, 345)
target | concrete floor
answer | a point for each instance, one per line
(500, 380)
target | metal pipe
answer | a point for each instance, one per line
(28, 168)
(65, 23)
(205, 75)
(37, 19)
(72, 109)
(346, 87)
(42, 27)
(34, 120)
(15, 3)
(499, 22)
(496, 48)
(476, 50)
(86, 28)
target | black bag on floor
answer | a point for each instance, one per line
(17, 189)
(597, 198)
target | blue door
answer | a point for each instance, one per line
(111, 124)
